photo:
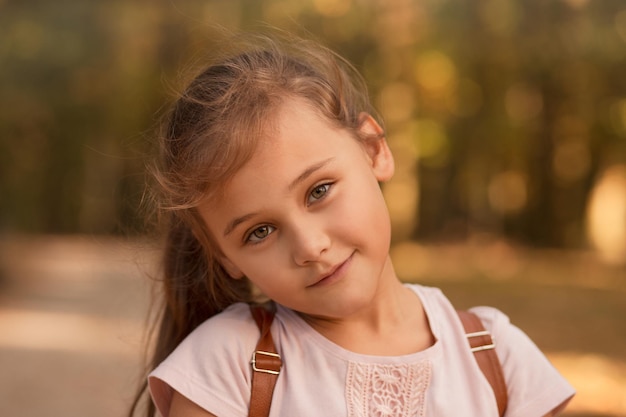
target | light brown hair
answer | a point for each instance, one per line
(210, 133)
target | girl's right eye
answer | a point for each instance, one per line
(260, 233)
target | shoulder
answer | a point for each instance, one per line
(211, 365)
(493, 319)
(233, 330)
(436, 303)
(233, 320)
(428, 294)
(534, 385)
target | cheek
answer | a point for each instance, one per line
(261, 267)
(363, 210)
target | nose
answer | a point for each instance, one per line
(309, 242)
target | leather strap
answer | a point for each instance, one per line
(483, 346)
(266, 363)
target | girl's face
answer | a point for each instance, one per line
(305, 220)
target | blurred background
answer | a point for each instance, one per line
(507, 119)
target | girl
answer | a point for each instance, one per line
(269, 176)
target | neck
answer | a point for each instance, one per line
(394, 323)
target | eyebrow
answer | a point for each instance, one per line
(308, 172)
(236, 222)
(302, 177)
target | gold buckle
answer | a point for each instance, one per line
(270, 354)
(492, 345)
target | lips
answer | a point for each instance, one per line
(335, 274)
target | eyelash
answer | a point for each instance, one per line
(248, 238)
(250, 235)
(326, 186)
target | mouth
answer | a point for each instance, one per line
(334, 275)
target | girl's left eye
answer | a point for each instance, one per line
(318, 192)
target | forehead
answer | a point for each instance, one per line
(296, 138)
(299, 134)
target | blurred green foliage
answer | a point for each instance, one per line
(503, 113)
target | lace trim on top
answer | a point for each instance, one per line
(377, 390)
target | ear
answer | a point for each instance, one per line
(230, 268)
(375, 144)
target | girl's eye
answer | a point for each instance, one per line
(260, 233)
(318, 192)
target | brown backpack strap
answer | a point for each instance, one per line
(483, 345)
(266, 363)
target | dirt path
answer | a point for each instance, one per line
(72, 315)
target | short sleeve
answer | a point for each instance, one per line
(534, 386)
(211, 366)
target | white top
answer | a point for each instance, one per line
(211, 367)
